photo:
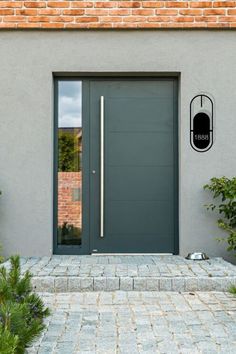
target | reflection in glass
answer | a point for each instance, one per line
(69, 223)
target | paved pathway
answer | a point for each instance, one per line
(115, 266)
(140, 273)
(139, 322)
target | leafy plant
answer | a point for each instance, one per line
(21, 311)
(224, 189)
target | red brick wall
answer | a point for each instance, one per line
(117, 14)
(68, 210)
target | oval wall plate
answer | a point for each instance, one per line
(201, 123)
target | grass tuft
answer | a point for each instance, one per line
(232, 290)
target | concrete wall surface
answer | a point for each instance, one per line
(205, 61)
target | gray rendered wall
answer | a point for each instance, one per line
(206, 63)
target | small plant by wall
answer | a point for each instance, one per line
(224, 192)
(1, 257)
(232, 290)
(21, 311)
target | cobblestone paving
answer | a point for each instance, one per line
(126, 266)
(110, 273)
(139, 322)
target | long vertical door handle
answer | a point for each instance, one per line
(102, 166)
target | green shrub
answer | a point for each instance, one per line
(225, 190)
(8, 341)
(21, 311)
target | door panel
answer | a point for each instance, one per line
(122, 186)
(140, 212)
(134, 110)
(139, 149)
(137, 217)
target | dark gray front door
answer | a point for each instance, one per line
(140, 166)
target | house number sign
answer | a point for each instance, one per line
(201, 123)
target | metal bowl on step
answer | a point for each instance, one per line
(197, 256)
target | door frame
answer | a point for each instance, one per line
(85, 247)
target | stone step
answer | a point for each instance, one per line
(61, 284)
(131, 272)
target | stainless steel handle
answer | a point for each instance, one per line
(102, 166)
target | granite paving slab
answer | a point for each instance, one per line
(135, 272)
(139, 322)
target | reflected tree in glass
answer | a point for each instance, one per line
(69, 163)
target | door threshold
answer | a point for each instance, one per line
(131, 254)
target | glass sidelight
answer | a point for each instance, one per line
(69, 163)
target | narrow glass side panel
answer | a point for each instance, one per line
(69, 223)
